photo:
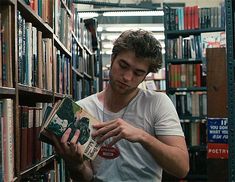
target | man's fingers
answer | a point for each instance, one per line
(65, 136)
(75, 137)
(104, 129)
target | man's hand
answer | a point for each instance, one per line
(72, 154)
(70, 151)
(116, 129)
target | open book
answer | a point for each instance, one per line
(67, 114)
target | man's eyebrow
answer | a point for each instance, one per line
(138, 70)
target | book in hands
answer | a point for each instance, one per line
(68, 114)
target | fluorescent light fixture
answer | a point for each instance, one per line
(159, 37)
(88, 14)
(100, 29)
(113, 36)
(109, 52)
(107, 45)
(134, 13)
(121, 29)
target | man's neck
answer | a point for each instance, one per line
(113, 101)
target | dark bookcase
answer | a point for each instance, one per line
(187, 30)
(46, 52)
(230, 13)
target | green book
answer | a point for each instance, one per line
(68, 114)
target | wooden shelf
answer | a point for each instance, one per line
(36, 20)
(33, 94)
(61, 46)
(187, 89)
(7, 91)
(184, 61)
(80, 75)
(37, 167)
(184, 33)
(77, 41)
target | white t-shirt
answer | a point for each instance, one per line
(153, 112)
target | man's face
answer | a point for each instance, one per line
(127, 72)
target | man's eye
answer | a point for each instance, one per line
(123, 65)
(138, 74)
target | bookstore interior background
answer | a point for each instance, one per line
(49, 49)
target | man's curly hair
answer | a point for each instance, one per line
(143, 43)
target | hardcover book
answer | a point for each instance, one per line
(67, 114)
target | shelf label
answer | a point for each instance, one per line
(217, 151)
(217, 130)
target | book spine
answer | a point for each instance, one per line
(8, 140)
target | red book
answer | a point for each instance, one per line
(196, 17)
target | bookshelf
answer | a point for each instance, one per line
(46, 52)
(230, 10)
(189, 30)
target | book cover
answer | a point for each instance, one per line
(67, 114)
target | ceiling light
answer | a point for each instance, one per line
(134, 13)
(121, 29)
(88, 15)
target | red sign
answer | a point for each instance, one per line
(217, 151)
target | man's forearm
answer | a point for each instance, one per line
(81, 173)
(169, 152)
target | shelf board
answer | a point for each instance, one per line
(192, 118)
(174, 33)
(86, 75)
(77, 41)
(202, 148)
(61, 96)
(37, 166)
(33, 94)
(35, 90)
(7, 92)
(184, 61)
(36, 20)
(186, 89)
(80, 75)
(66, 7)
(61, 46)
(88, 50)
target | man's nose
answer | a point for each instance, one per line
(128, 75)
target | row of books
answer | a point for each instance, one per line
(194, 46)
(195, 133)
(154, 85)
(33, 52)
(34, 55)
(84, 29)
(193, 17)
(190, 104)
(6, 75)
(43, 9)
(62, 24)
(32, 150)
(185, 75)
(36, 60)
(62, 73)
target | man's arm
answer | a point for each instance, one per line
(170, 152)
(81, 172)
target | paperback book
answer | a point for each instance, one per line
(68, 114)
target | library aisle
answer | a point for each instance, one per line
(62, 48)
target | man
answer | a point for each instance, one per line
(140, 132)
